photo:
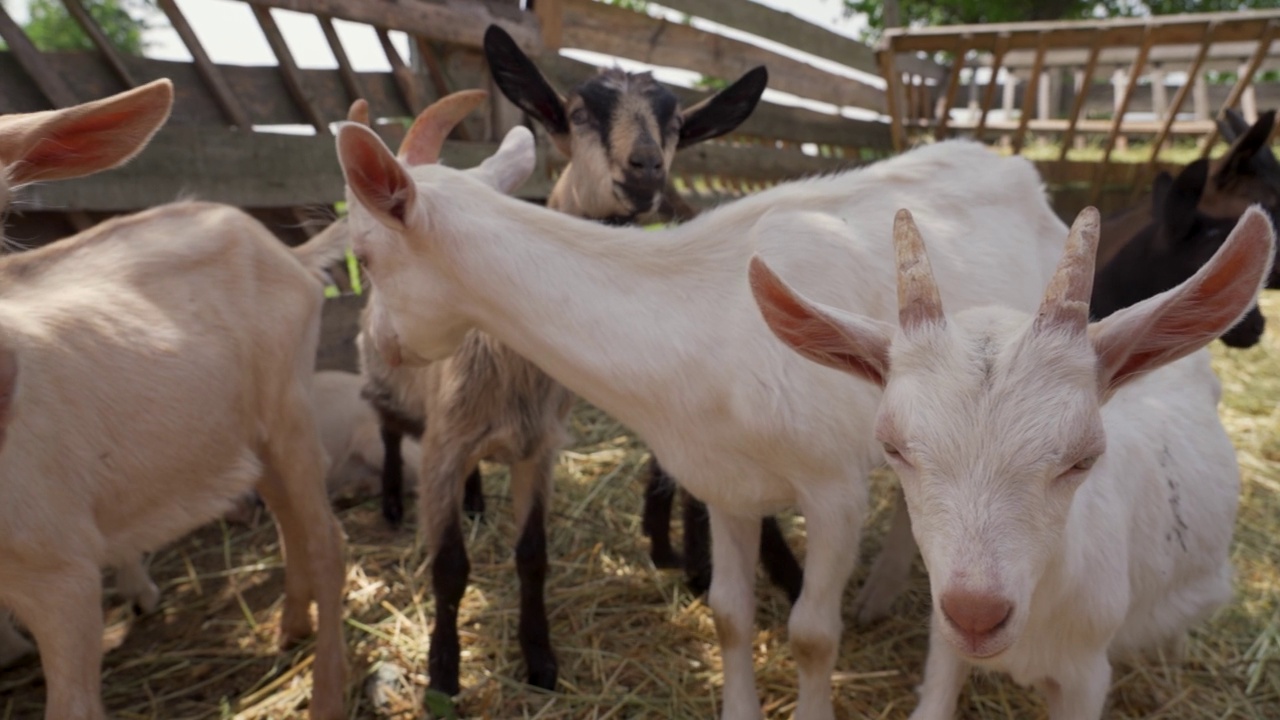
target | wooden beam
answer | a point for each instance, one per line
(785, 28)
(401, 72)
(551, 14)
(212, 75)
(1139, 64)
(617, 31)
(892, 78)
(457, 23)
(1082, 93)
(989, 96)
(1029, 98)
(953, 86)
(289, 68)
(288, 171)
(349, 78)
(109, 52)
(1171, 113)
(50, 84)
(1246, 77)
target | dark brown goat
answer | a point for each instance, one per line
(1248, 173)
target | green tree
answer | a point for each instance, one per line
(966, 12)
(52, 28)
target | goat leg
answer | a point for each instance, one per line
(778, 560)
(697, 544)
(392, 477)
(473, 495)
(659, 497)
(531, 487)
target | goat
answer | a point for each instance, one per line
(142, 389)
(1177, 244)
(1070, 484)
(621, 132)
(747, 426)
(1247, 173)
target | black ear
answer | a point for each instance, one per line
(519, 79)
(723, 111)
(1176, 211)
(1232, 125)
(1251, 144)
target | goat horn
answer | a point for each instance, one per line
(918, 299)
(359, 112)
(1066, 300)
(423, 142)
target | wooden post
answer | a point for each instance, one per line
(953, 86)
(1032, 93)
(1248, 100)
(997, 60)
(892, 80)
(348, 74)
(1159, 95)
(1082, 93)
(1195, 79)
(551, 15)
(1148, 38)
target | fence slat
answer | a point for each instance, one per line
(1002, 46)
(99, 39)
(1139, 64)
(52, 86)
(401, 72)
(212, 76)
(1030, 95)
(1178, 98)
(349, 79)
(1242, 82)
(288, 68)
(1082, 94)
(953, 86)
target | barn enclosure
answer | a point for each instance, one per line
(1100, 106)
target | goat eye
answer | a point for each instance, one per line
(580, 116)
(1086, 463)
(891, 452)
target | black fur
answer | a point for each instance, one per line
(519, 79)
(1171, 249)
(531, 566)
(725, 111)
(449, 573)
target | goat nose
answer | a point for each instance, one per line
(976, 615)
(646, 161)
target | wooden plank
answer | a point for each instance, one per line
(1139, 64)
(185, 161)
(1092, 127)
(289, 68)
(785, 28)
(50, 84)
(401, 72)
(953, 86)
(1029, 96)
(1172, 111)
(208, 71)
(1082, 93)
(763, 164)
(1246, 77)
(345, 70)
(551, 14)
(989, 96)
(617, 31)
(458, 23)
(99, 39)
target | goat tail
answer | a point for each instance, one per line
(325, 249)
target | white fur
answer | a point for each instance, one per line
(659, 329)
(1077, 475)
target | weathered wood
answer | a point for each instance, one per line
(1031, 96)
(953, 86)
(618, 31)
(1139, 64)
(989, 96)
(348, 74)
(31, 60)
(1179, 97)
(184, 161)
(99, 39)
(288, 68)
(208, 71)
(787, 29)
(551, 14)
(893, 78)
(1092, 127)
(459, 23)
(1099, 40)
(1246, 77)
(401, 72)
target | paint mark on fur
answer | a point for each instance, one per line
(1175, 499)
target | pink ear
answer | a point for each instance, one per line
(87, 138)
(375, 177)
(1177, 322)
(856, 345)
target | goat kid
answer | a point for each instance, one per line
(1070, 485)
(120, 333)
(621, 132)
(747, 426)
(1246, 174)
(1179, 242)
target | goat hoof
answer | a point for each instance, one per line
(699, 583)
(543, 675)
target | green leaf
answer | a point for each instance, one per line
(440, 705)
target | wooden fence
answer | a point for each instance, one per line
(214, 148)
(1050, 89)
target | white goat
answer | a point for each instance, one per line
(349, 431)
(658, 328)
(1067, 503)
(143, 387)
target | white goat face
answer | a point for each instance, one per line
(414, 317)
(991, 425)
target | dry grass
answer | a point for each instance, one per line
(631, 641)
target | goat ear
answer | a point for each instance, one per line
(1177, 322)
(1176, 211)
(512, 164)
(1232, 125)
(857, 345)
(523, 84)
(84, 139)
(723, 111)
(376, 178)
(1243, 151)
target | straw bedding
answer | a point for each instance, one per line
(631, 641)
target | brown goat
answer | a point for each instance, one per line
(1246, 174)
(143, 388)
